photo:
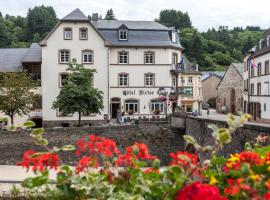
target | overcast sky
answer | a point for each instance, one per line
(204, 13)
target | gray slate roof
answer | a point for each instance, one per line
(33, 55)
(140, 38)
(11, 59)
(131, 25)
(75, 15)
(207, 74)
(140, 33)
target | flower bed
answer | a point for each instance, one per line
(136, 174)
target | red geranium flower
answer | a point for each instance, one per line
(199, 191)
(97, 145)
(250, 157)
(39, 162)
(133, 153)
(86, 162)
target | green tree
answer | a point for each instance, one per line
(40, 20)
(4, 37)
(110, 15)
(17, 94)
(174, 18)
(78, 94)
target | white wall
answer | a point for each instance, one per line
(51, 68)
(136, 70)
(265, 88)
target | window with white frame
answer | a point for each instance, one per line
(131, 106)
(149, 57)
(64, 56)
(149, 79)
(67, 33)
(174, 58)
(190, 79)
(123, 79)
(252, 89)
(259, 89)
(83, 33)
(123, 34)
(174, 36)
(123, 57)
(63, 78)
(87, 56)
(157, 106)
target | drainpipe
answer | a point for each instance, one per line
(108, 78)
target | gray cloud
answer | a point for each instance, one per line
(204, 13)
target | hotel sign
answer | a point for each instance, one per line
(140, 92)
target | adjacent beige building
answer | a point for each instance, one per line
(209, 84)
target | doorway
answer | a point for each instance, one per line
(115, 105)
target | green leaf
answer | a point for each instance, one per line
(38, 131)
(224, 136)
(191, 140)
(29, 124)
(68, 148)
(43, 142)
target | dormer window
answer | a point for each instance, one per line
(123, 34)
(67, 33)
(174, 36)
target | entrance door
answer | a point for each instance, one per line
(115, 105)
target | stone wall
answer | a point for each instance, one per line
(158, 136)
(198, 128)
(231, 85)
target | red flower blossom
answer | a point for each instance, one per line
(39, 162)
(267, 196)
(86, 162)
(184, 159)
(199, 191)
(97, 145)
(133, 153)
(250, 157)
(236, 186)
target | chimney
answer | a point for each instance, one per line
(260, 44)
(268, 37)
(95, 17)
(197, 67)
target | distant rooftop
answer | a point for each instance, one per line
(207, 74)
(75, 15)
(11, 59)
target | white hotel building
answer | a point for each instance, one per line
(133, 60)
